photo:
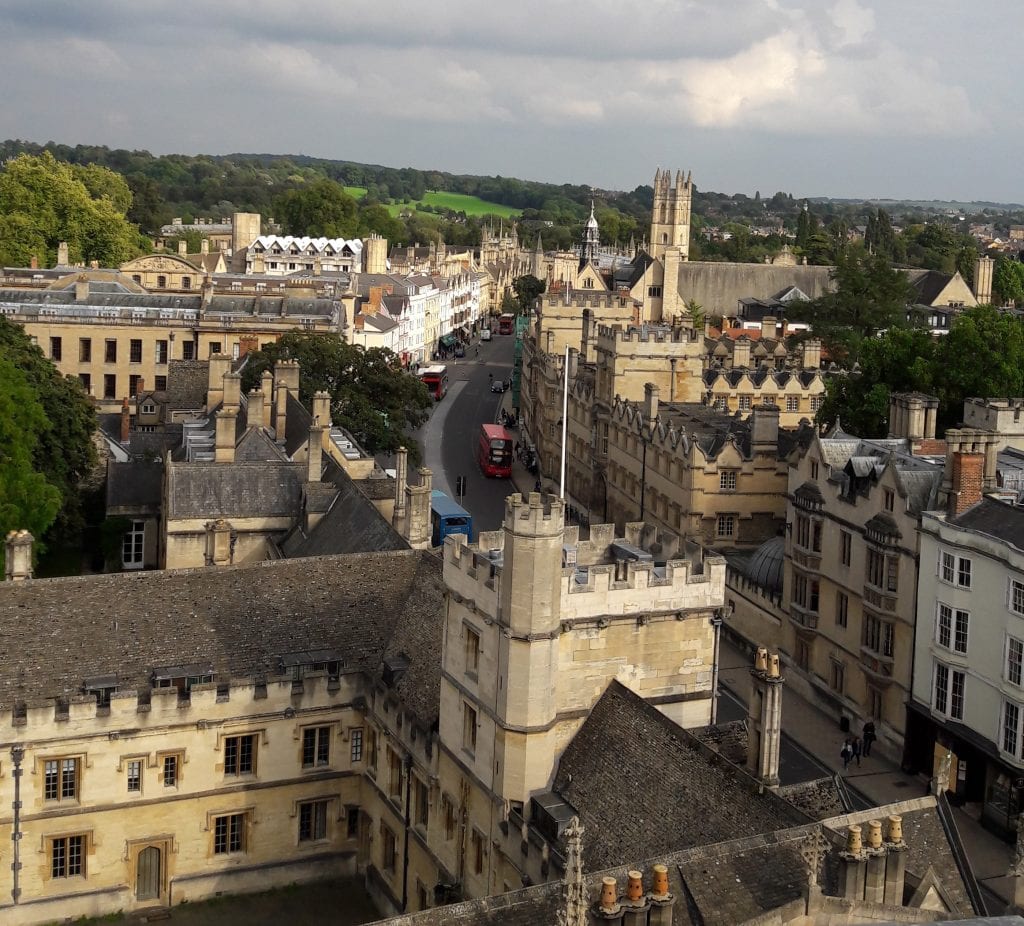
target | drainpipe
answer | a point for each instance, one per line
(716, 624)
(643, 478)
(17, 754)
(405, 847)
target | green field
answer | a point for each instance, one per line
(458, 202)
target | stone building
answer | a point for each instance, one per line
(117, 338)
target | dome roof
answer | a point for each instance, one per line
(765, 566)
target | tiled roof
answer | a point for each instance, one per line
(135, 485)
(233, 490)
(237, 620)
(704, 798)
(995, 519)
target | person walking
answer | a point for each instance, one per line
(855, 746)
(846, 753)
(869, 736)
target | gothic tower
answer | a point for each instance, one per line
(670, 220)
(591, 240)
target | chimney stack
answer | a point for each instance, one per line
(768, 327)
(874, 874)
(315, 453)
(204, 246)
(895, 862)
(232, 390)
(267, 391)
(401, 471)
(636, 904)
(418, 522)
(18, 556)
(983, 268)
(225, 441)
(741, 353)
(851, 865)
(62, 254)
(126, 421)
(764, 430)
(182, 247)
(82, 288)
(255, 409)
(811, 354)
(968, 478)
(322, 408)
(764, 719)
(651, 393)
(660, 898)
(216, 367)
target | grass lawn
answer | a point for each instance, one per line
(458, 202)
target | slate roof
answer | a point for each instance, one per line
(995, 519)
(352, 524)
(134, 486)
(627, 753)
(186, 384)
(929, 284)
(236, 490)
(237, 620)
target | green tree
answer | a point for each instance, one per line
(44, 201)
(63, 450)
(371, 396)
(376, 219)
(900, 360)
(870, 295)
(319, 209)
(1008, 281)
(27, 500)
(527, 288)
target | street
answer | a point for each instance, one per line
(449, 438)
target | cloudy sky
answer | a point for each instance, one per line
(866, 98)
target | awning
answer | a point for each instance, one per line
(447, 341)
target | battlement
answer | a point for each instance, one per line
(110, 710)
(538, 514)
(610, 336)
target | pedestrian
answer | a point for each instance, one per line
(869, 736)
(846, 753)
(855, 746)
(537, 486)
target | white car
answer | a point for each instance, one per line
(485, 334)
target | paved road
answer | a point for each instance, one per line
(449, 438)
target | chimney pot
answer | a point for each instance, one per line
(773, 665)
(761, 659)
(635, 886)
(609, 895)
(853, 840)
(874, 834)
(895, 829)
(659, 886)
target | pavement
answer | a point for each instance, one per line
(815, 742)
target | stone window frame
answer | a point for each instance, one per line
(321, 733)
(259, 736)
(179, 767)
(212, 816)
(60, 800)
(469, 633)
(47, 847)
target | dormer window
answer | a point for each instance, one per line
(148, 408)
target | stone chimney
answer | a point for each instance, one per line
(322, 408)
(810, 354)
(182, 247)
(255, 410)
(418, 526)
(764, 430)
(651, 393)
(661, 899)
(895, 862)
(207, 292)
(768, 327)
(764, 718)
(574, 356)
(62, 254)
(589, 336)
(315, 453)
(267, 391)
(232, 390)
(401, 475)
(983, 269)
(967, 478)
(216, 368)
(126, 421)
(741, 353)
(912, 416)
(286, 373)
(852, 863)
(82, 288)
(225, 443)
(18, 556)
(204, 246)
(874, 870)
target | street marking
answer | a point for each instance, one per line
(433, 442)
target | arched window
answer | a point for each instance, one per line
(161, 282)
(186, 282)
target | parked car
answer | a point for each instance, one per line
(498, 385)
(485, 334)
(460, 350)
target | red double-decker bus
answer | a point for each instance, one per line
(506, 323)
(494, 451)
(436, 381)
